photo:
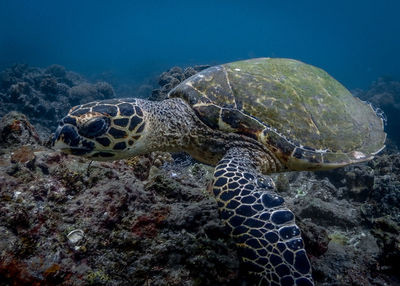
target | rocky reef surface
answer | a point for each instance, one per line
(45, 95)
(151, 220)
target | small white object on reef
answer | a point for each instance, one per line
(75, 236)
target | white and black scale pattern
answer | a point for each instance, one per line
(264, 230)
(113, 124)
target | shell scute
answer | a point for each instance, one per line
(209, 114)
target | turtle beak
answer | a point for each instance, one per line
(56, 138)
(66, 137)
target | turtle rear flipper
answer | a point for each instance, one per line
(264, 230)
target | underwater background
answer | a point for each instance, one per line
(355, 41)
(151, 220)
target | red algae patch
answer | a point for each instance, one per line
(23, 155)
(148, 225)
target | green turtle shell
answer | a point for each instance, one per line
(298, 111)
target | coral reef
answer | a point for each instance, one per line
(66, 221)
(350, 221)
(171, 78)
(151, 220)
(15, 129)
(46, 95)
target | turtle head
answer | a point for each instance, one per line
(104, 130)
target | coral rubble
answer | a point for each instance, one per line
(46, 95)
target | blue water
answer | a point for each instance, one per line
(355, 41)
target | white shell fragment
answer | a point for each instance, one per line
(75, 236)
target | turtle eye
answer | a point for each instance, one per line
(94, 127)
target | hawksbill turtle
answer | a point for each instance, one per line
(249, 119)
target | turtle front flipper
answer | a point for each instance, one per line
(263, 228)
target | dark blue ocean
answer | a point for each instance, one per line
(355, 41)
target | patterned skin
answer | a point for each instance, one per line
(267, 237)
(99, 130)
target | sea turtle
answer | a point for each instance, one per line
(248, 118)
